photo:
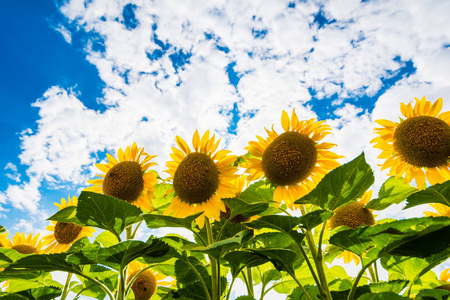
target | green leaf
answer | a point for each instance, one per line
(162, 199)
(258, 192)
(2, 229)
(8, 256)
(312, 219)
(244, 207)
(395, 286)
(120, 255)
(393, 191)
(381, 296)
(433, 294)
(159, 221)
(217, 248)
(238, 260)
(43, 293)
(282, 259)
(285, 224)
(107, 239)
(245, 297)
(438, 193)
(297, 293)
(106, 212)
(66, 215)
(42, 262)
(419, 235)
(273, 240)
(341, 186)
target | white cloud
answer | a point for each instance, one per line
(15, 175)
(65, 33)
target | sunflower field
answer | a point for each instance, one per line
(273, 220)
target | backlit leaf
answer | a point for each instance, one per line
(438, 193)
(393, 191)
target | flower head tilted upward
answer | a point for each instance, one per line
(294, 161)
(200, 178)
(417, 147)
(127, 178)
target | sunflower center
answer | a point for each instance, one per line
(66, 233)
(423, 141)
(196, 178)
(25, 249)
(352, 215)
(124, 181)
(144, 286)
(289, 159)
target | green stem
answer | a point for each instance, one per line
(229, 289)
(129, 230)
(250, 281)
(121, 290)
(355, 283)
(311, 268)
(300, 285)
(202, 282)
(212, 260)
(376, 271)
(135, 230)
(221, 229)
(372, 274)
(65, 291)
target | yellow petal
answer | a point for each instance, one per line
(285, 121)
(294, 120)
(196, 140)
(183, 145)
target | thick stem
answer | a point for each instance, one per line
(129, 231)
(213, 262)
(373, 277)
(101, 285)
(229, 289)
(355, 283)
(202, 282)
(300, 285)
(250, 281)
(65, 291)
(135, 230)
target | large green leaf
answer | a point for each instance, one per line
(159, 221)
(393, 191)
(217, 248)
(42, 262)
(285, 224)
(8, 256)
(433, 294)
(261, 191)
(395, 286)
(297, 293)
(312, 219)
(238, 260)
(381, 296)
(244, 207)
(282, 259)
(410, 237)
(66, 215)
(438, 193)
(342, 185)
(43, 293)
(106, 212)
(120, 255)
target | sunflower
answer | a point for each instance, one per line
(127, 178)
(28, 245)
(145, 285)
(294, 161)
(418, 146)
(445, 275)
(240, 183)
(200, 178)
(442, 210)
(4, 241)
(352, 215)
(65, 234)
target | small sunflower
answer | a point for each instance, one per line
(200, 178)
(442, 210)
(240, 183)
(353, 216)
(418, 146)
(4, 241)
(28, 245)
(127, 178)
(145, 285)
(294, 161)
(65, 234)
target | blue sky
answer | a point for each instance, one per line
(82, 78)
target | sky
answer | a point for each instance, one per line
(82, 78)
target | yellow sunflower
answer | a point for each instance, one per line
(200, 178)
(418, 146)
(4, 241)
(240, 183)
(65, 234)
(127, 178)
(145, 285)
(28, 245)
(442, 210)
(353, 216)
(294, 161)
(445, 275)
